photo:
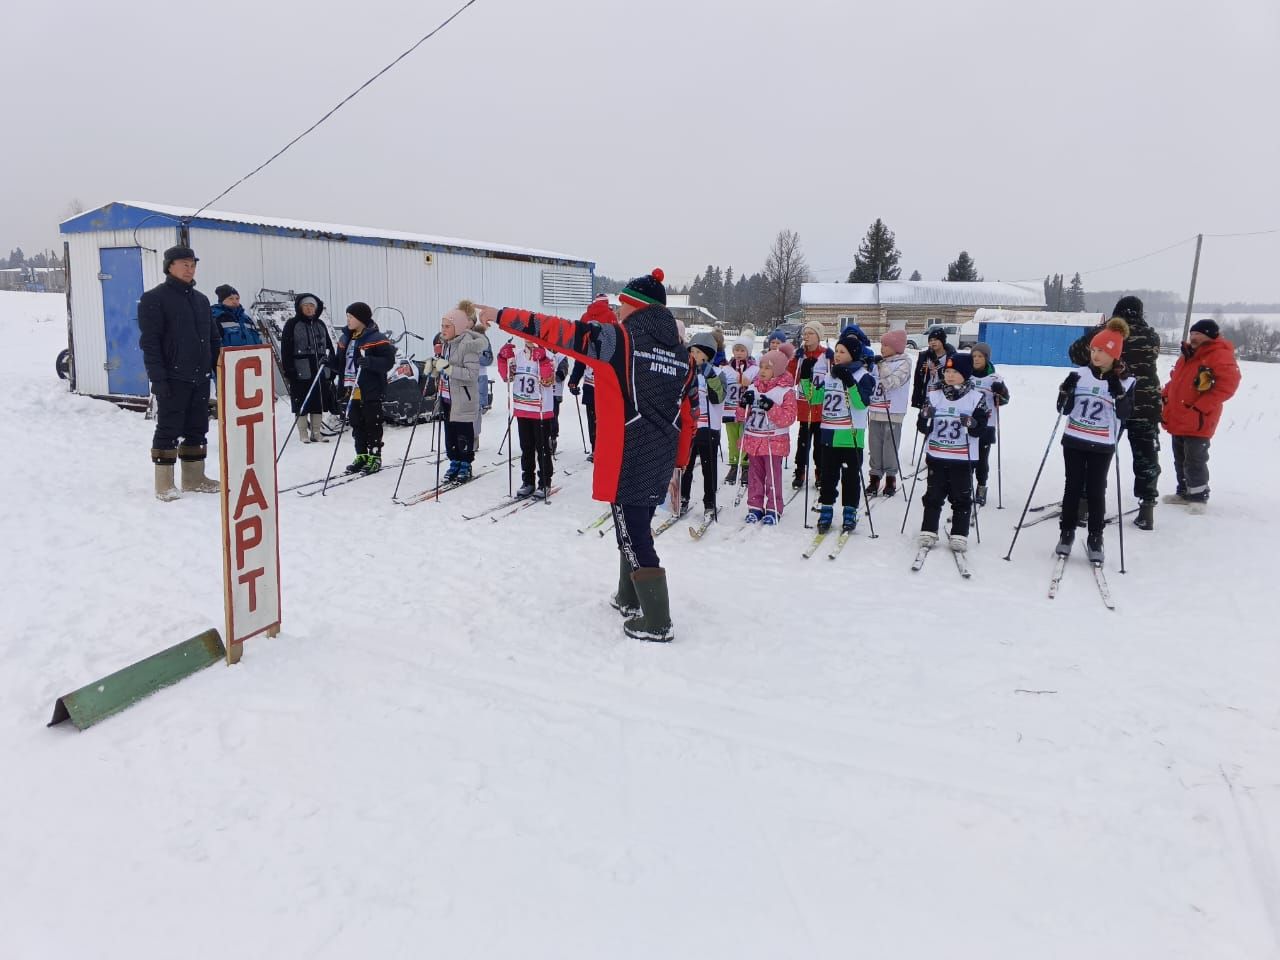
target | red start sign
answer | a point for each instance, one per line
(250, 516)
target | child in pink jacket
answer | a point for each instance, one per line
(767, 410)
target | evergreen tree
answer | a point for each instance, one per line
(877, 256)
(1075, 294)
(962, 268)
(726, 302)
(915, 275)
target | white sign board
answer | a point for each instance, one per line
(250, 515)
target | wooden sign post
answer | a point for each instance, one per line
(250, 515)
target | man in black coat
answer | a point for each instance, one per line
(1141, 350)
(928, 364)
(180, 343)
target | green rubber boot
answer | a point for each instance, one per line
(654, 623)
(625, 600)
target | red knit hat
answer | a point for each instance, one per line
(1110, 339)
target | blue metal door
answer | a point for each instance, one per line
(120, 272)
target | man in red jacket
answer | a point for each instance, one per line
(645, 427)
(1204, 378)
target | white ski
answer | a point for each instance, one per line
(962, 563)
(814, 544)
(698, 530)
(1103, 589)
(840, 542)
(666, 524)
(921, 556)
(1059, 566)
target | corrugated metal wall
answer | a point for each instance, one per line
(1030, 344)
(86, 293)
(338, 272)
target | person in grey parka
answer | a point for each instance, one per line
(458, 367)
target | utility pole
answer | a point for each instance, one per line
(1191, 297)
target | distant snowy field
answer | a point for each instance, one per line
(452, 751)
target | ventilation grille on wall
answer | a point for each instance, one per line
(565, 288)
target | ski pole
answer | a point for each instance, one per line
(1034, 483)
(439, 427)
(413, 430)
(814, 441)
(898, 462)
(314, 380)
(973, 507)
(999, 471)
(346, 415)
(1120, 498)
(857, 452)
(577, 402)
(914, 480)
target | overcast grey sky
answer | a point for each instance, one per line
(1040, 137)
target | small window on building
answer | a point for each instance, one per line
(848, 320)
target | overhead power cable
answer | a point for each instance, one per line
(338, 106)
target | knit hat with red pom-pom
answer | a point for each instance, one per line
(645, 291)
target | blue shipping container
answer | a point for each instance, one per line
(1030, 344)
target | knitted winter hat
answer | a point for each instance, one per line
(895, 341)
(850, 340)
(178, 253)
(1207, 327)
(776, 335)
(982, 348)
(1130, 308)
(303, 301)
(816, 327)
(937, 333)
(788, 350)
(222, 291)
(777, 359)
(705, 342)
(960, 362)
(361, 312)
(1110, 339)
(645, 291)
(746, 339)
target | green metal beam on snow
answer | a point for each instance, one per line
(124, 688)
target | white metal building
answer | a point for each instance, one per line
(115, 253)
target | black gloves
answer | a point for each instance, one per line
(766, 404)
(844, 372)
(161, 389)
(1115, 387)
(575, 389)
(1000, 393)
(748, 398)
(924, 422)
(1067, 393)
(806, 368)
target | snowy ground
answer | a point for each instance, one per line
(452, 751)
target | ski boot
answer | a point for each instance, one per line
(754, 515)
(1146, 518)
(710, 515)
(873, 486)
(850, 520)
(684, 510)
(958, 543)
(1196, 502)
(373, 461)
(1093, 547)
(356, 465)
(890, 487)
(625, 600)
(654, 622)
(731, 477)
(980, 495)
(524, 490)
(542, 493)
(927, 539)
(770, 518)
(825, 513)
(798, 480)
(304, 432)
(1065, 541)
(451, 474)
(317, 428)
(591, 457)
(464, 472)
